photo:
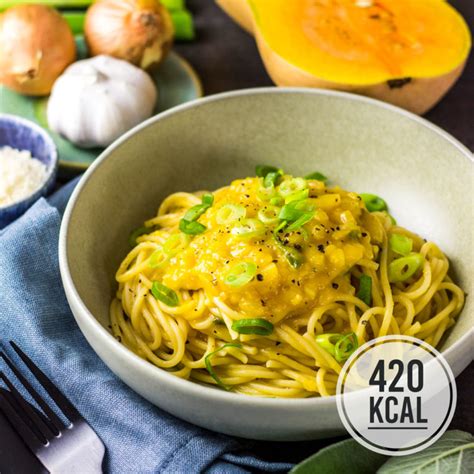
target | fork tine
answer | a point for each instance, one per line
(58, 397)
(57, 424)
(18, 424)
(31, 418)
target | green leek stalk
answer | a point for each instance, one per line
(51, 3)
(76, 21)
(173, 4)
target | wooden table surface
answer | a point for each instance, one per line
(226, 58)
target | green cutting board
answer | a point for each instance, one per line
(175, 80)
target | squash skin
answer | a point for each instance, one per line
(240, 11)
(418, 95)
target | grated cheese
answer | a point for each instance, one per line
(20, 175)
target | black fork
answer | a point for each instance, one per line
(61, 448)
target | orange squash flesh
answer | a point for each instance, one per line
(392, 50)
(346, 43)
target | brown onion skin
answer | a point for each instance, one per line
(125, 29)
(39, 50)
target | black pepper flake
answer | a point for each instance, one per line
(263, 302)
(286, 242)
(259, 277)
(364, 234)
(321, 248)
(247, 196)
(119, 339)
(335, 286)
(297, 246)
(275, 261)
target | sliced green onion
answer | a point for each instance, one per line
(240, 274)
(280, 226)
(294, 210)
(262, 170)
(277, 201)
(207, 200)
(132, 239)
(175, 244)
(157, 258)
(230, 213)
(207, 361)
(291, 186)
(191, 228)
(164, 294)
(298, 196)
(340, 346)
(404, 267)
(248, 228)
(365, 289)
(266, 194)
(306, 217)
(271, 178)
(188, 224)
(345, 347)
(195, 212)
(373, 203)
(269, 214)
(258, 326)
(401, 244)
(317, 176)
(327, 342)
(294, 258)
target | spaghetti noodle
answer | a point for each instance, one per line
(266, 287)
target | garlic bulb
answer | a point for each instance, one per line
(97, 100)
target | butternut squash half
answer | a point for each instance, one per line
(406, 52)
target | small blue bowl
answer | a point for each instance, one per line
(22, 134)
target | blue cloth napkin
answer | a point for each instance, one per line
(139, 437)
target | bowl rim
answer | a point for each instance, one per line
(147, 368)
(51, 168)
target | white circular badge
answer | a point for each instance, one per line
(399, 395)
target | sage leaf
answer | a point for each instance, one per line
(345, 456)
(453, 453)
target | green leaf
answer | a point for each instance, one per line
(453, 453)
(347, 456)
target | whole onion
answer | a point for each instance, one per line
(36, 46)
(138, 31)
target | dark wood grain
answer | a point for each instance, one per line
(226, 58)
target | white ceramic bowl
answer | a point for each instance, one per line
(423, 173)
